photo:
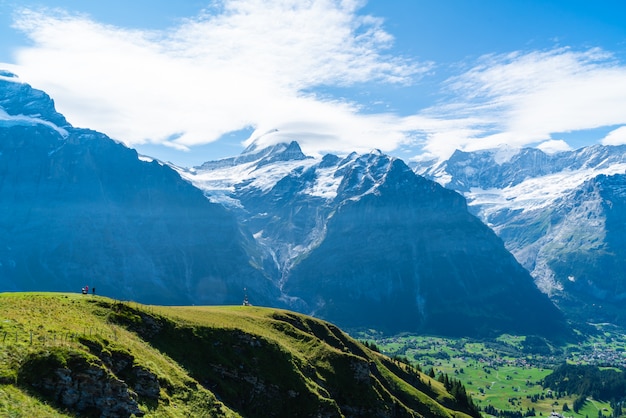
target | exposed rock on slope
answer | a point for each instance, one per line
(79, 382)
(410, 257)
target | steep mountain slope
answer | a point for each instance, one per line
(93, 356)
(363, 241)
(583, 252)
(561, 215)
(80, 209)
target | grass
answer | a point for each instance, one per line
(299, 336)
(16, 403)
(256, 361)
(33, 323)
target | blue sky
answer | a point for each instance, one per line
(191, 81)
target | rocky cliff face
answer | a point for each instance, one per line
(585, 250)
(363, 241)
(82, 382)
(79, 209)
(410, 257)
(561, 215)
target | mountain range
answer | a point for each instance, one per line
(360, 240)
(365, 242)
(562, 216)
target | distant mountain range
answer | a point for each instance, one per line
(562, 215)
(359, 240)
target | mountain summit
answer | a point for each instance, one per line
(363, 241)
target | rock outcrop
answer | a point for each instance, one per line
(80, 383)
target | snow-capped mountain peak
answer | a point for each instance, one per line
(21, 103)
(562, 216)
(262, 169)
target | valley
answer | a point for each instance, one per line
(506, 373)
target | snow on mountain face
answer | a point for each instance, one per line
(363, 241)
(482, 170)
(20, 102)
(553, 212)
(530, 180)
(21, 105)
(260, 171)
(251, 170)
(285, 197)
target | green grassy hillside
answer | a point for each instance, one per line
(82, 355)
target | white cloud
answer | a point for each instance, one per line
(615, 137)
(521, 99)
(242, 64)
(553, 146)
(253, 64)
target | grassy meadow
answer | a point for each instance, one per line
(206, 358)
(41, 322)
(214, 361)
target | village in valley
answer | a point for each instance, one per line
(506, 374)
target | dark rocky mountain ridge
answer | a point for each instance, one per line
(80, 209)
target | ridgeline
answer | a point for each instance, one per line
(65, 355)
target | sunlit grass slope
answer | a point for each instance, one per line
(196, 361)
